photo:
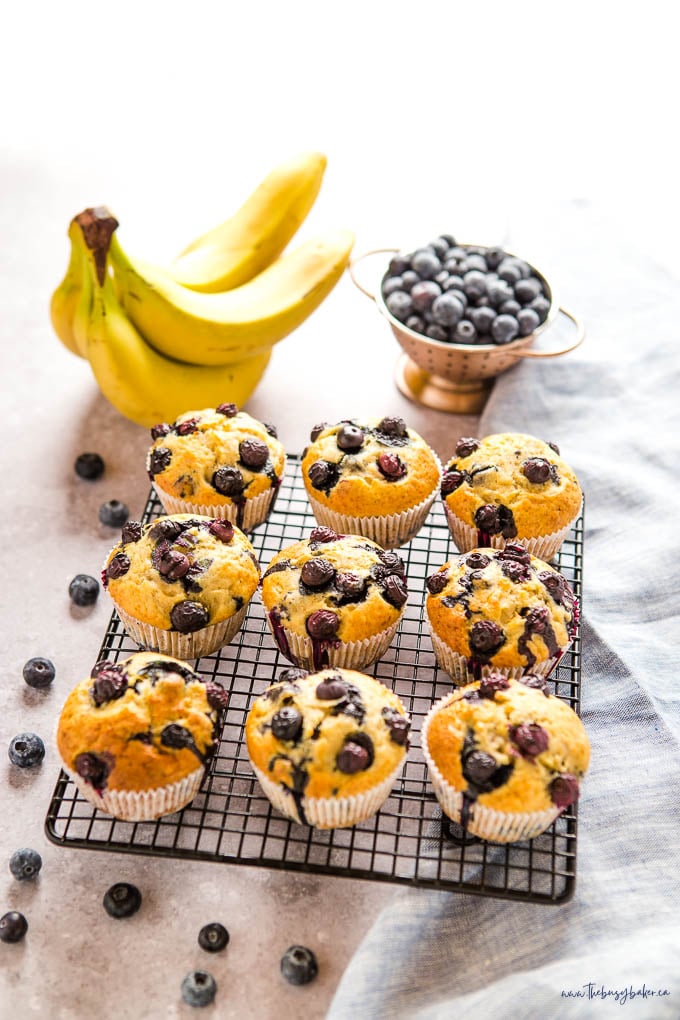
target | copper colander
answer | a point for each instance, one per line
(458, 377)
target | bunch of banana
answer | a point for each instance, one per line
(200, 332)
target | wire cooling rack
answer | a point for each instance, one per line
(408, 841)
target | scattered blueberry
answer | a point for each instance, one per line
(39, 672)
(122, 900)
(114, 514)
(89, 466)
(298, 965)
(213, 937)
(13, 926)
(83, 590)
(199, 988)
(25, 864)
(26, 750)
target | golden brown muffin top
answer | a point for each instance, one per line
(335, 587)
(501, 607)
(511, 484)
(509, 744)
(215, 456)
(181, 572)
(369, 468)
(139, 724)
(335, 733)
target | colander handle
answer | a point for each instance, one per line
(580, 337)
(360, 258)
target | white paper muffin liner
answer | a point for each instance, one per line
(254, 511)
(388, 530)
(484, 822)
(183, 646)
(340, 654)
(458, 668)
(142, 805)
(329, 812)
(545, 547)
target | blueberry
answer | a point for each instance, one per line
(439, 246)
(536, 470)
(391, 466)
(466, 446)
(409, 279)
(424, 294)
(399, 305)
(83, 590)
(454, 282)
(159, 460)
(317, 573)
(13, 926)
(228, 410)
(479, 767)
(323, 624)
(509, 272)
(425, 263)
(486, 637)
(199, 988)
(528, 320)
(298, 965)
(492, 683)
(437, 332)
(25, 864)
(530, 739)
(188, 616)
(504, 329)
(391, 425)
(317, 430)
(356, 755)
(89, 466)
(395, 591)
(322, 474)
(527, 290)
(391, 284)
(465, 332)
(541, 306)
(416, 323)
(350, 585)
(350, 438)
(477, 561)
(160, 430)
(323, 534)
(213, 937)
(217, 697)
(228, 481)
(223, 530)
(474, 283)
(451, 481)
(287, 723)
(447, 310)
(437, 582)
(482, 318)
(131, 532)
(511, 307)
(109, 684)
(564, 790)
(118, 567)
(26, 750)
(398, 725)
(38, 672)
(499, 291)
(494, 257)
(331, 689)
(122, 900)
(253, 453)
(399, 264)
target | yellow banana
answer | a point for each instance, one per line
(64, 302)
(142, 384)
(216, 329)
(240, 248)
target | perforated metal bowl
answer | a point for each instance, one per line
(458, 377)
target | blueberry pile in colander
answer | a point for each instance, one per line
(464, 294)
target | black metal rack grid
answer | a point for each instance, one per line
(407, 842)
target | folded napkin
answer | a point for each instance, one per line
(613, 407)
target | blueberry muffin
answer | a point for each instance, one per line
(218, 462)
(181, 584)
(376, 478)
(505, 757)
(135, 735)
(327, 747)
(334, 600)
(510, 487)
(499, 610)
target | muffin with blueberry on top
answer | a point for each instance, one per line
(510, 487)
(218, 462)
(136, 734)
(374, 477)
(181, 584)
(327, 747)
(505, 757)
(334, 600)
(499, 610)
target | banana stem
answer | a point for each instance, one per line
(97, 226)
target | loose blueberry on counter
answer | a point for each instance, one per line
(13, 926)
(199, 988)
(298, 965)
(25, 864)
(26, 750)
(114, 513)
(122, 900)
(213, 937)
(89, 466)
(83, 590)
(39, 672)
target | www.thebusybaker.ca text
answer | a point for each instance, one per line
(592, 990)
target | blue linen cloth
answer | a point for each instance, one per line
(613, 407)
